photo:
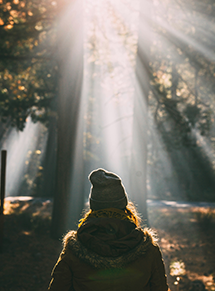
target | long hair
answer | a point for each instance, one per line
(129, 213)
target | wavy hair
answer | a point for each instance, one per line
(129, 213)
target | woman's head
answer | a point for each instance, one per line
(108, 198)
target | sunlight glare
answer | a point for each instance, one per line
(111, 29)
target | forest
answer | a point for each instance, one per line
(180, 97)
(123, 85)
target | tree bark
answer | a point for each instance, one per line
(138, 169)
(70, 45)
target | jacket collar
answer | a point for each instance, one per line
(73, 245)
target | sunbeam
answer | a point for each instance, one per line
(123, 85)
(25, 154)
(110, 50)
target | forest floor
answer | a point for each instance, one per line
(186, 237)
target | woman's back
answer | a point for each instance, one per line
(109, 252)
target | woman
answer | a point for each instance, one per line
(109, 251)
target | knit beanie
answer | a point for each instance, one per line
(107, 190)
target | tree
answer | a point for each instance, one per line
(67, 206)
(138, 173)
(182, 98)
(29, 78)
(28, 69)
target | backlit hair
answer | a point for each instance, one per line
(129, 213)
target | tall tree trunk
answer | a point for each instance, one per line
(70, 44)
(49, 162)
(138, 169)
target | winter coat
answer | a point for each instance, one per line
(109, 254)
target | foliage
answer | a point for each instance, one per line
(182, 98)
(177, 268)
(35, 223)
(205, 218)
(28, 69)
(182, 68)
